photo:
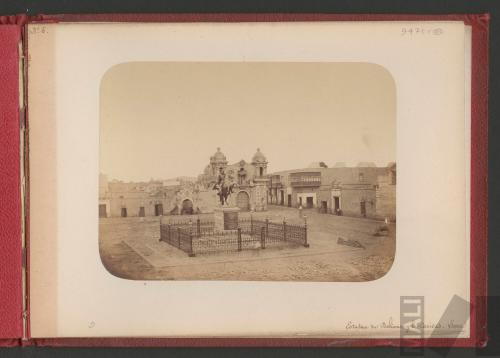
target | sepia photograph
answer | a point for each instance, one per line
(247, 171)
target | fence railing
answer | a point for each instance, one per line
(177, 236)
(200, 237)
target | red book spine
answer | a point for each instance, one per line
(11, 296)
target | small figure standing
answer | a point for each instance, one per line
(300, 211)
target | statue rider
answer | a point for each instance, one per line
(224, 189)
(221, 178)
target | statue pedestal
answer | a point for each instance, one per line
(226, 218)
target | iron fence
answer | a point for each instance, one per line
(200, 236)
(177, 236)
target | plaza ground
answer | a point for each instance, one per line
(130, 249)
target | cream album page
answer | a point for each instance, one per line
(286, 179)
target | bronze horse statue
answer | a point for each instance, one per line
(224, 191)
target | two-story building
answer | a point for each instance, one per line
(341, 190)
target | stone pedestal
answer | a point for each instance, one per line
(226, 218)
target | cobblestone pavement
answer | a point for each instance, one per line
(130, 249)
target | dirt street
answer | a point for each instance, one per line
(130, 249)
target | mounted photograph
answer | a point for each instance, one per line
(247, 171)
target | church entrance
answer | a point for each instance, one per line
(243, 201)
(187, 207)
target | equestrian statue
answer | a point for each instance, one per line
(224, 187)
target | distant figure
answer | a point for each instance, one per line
(300, 211)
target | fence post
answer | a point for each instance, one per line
(262, 237)
(191, 252)
(306, 244)
(179, 237)
(267, 228)
(284, 229)
(198, 227)
(239, 239)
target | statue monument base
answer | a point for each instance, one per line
(226, 218)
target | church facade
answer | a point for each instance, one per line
(249, 179)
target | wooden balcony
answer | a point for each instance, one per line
(309, 179)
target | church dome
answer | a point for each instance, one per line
(218, 157)
(259, 157)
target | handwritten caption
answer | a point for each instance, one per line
(390, 324)
(418, 31)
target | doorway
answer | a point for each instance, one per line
(243, 201)
(158, 209)
(324, 207)
(362, 206)
(124, 212)
(336, 203)
(102, 211)
(187, 207)
(309, 202)
(142, 212)
(289, 198)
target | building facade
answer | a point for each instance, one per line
(187, 196)
(361, 191)
(250, 179)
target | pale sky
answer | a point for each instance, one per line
(162, 120)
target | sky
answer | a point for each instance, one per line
(165, 119)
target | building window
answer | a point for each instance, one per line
(361, 177)
(393, 177)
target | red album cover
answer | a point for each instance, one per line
(11, 316)
(11, 213)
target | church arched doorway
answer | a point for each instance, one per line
(243, 201)
(187, 207)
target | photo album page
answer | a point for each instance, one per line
(249, 179)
